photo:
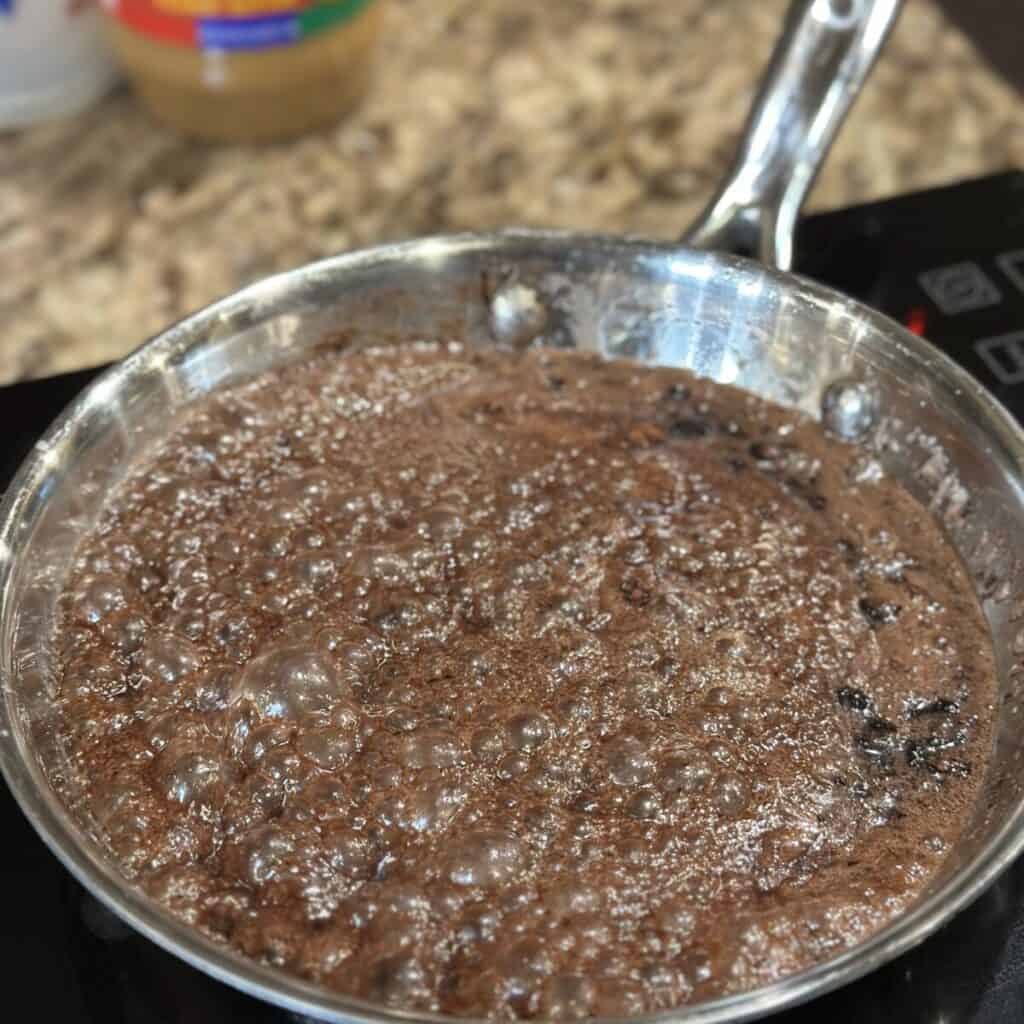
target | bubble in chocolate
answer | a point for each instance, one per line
(512, 766)
(188, 774)
(290, 682)
(351, 854)
(484, 857)
(684, 771)
(97, 597)
(168, 657)
(675, 917)
(262, 738)
(316, 570)
(573, 897)
(258, 798)
(98, 674)
(487, 744)
(402, 720)
(629, 762)
(400, 980)
(330, 748)
(265, 852)
(126, 629)
(567, 997)
(433, 806)
(442, 523)
(643, 805)
(213, 687)
(430, 748)
(528, 730)
(285, 765)
(730, 795)
(228, 547)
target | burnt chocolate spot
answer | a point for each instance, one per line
(879, 725)
(879, 614)
(852, 699)
(689, 429)
(764, 452)
(941, 706)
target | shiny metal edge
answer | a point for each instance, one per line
(43, 809)
(821, 61)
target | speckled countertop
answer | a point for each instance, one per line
(609, 115)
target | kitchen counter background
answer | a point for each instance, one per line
(609, 115)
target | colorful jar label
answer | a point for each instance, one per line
(233, 24)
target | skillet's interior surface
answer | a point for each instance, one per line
(723, 318)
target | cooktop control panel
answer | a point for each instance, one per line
(947, 263)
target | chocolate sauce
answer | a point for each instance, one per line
(522, 685)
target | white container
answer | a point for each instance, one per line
(53, 61)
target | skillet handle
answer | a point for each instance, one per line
(822, 59)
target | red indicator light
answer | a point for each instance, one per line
(917, 321)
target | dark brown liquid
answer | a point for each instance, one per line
(522, 685)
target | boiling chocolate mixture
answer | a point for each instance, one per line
(522, 685)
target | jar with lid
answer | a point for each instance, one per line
(246, 70)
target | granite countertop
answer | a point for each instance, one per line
(610, 115)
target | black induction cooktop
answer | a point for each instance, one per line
(948, 263)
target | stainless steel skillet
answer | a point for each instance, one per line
(728, 318)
